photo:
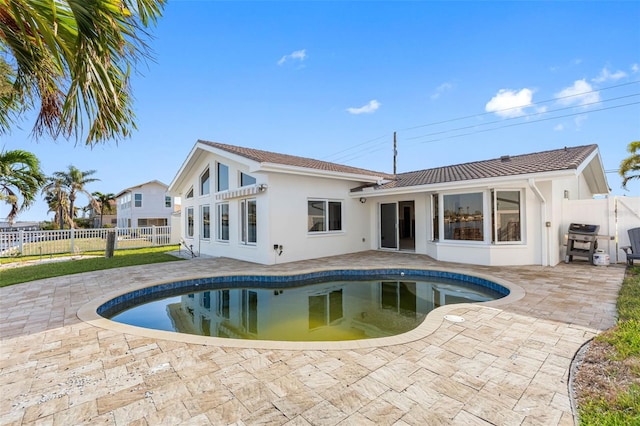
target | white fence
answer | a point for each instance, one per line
(615, 216)
(75, 241)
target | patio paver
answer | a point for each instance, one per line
(506, 365)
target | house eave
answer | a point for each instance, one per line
(304, 171)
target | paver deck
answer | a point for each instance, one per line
(505, 365)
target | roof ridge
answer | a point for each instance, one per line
(511, 157)
(254, 154)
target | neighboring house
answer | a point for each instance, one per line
(269, 208)
(109, 218)
(147, 204)
(19, 226)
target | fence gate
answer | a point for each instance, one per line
(615, 216)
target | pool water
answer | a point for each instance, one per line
(326, 311)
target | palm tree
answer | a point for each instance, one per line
(75, 180)
(57, 199)
(630, 166)
(72, 60)
(104, 200)
(20, 177)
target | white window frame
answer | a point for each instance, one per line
(204, 226)
(247, 175)
(219, 227)
(135, 200)
(494, 206)
(205, 171)
(485, 210)
(188, 210)
(244, 221)
(326, 216)
(218, 188)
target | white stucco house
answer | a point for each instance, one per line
(147, 204)
(270, 208)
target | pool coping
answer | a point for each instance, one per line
(88, 314)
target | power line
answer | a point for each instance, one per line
(348, 157)
(521, 106)
(530, 122)
(524, 116)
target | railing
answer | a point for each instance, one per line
(75, 241)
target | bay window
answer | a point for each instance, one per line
(463, 217)
(507, 215)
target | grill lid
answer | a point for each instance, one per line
(579, 228)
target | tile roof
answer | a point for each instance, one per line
(539, 162)
(292, 160)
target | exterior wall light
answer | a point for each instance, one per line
(262, 187)
(363, 200)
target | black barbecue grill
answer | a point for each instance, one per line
(581, 241)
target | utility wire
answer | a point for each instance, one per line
(529, 122)
(525, 116)
(348, 157)
(521, 106)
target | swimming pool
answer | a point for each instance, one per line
(320, 306)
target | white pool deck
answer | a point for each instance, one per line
(506, 364)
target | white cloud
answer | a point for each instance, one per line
(635, 68)
(366, 109)
(509, 103)
(579, 120)
(300, 55)
(444, 87)
(606, 75)
(558, 127)
(581, 93)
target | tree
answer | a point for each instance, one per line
(74, 180)
(104, 200)
(72, 59)
(58, 201)
(630, 166)
(20, 178)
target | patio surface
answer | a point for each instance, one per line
(505, 365)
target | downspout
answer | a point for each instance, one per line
(544, 232)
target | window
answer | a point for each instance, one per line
(189, 223)
(222, 305)
(222, 220)
(325, 309)
(249, 222)
(206, 222)
(152, 221)
(137, 200)
(223, 177)
(167, 201)
(463, 217)
(204, 182)
(190, 193)
(506, 212)
(246, 180)
(435, 231)
(250, 311)
(399, 297)
(324, 215)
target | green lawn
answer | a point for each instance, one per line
(619, 405)
(142, 256)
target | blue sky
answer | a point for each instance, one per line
(333, 80)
